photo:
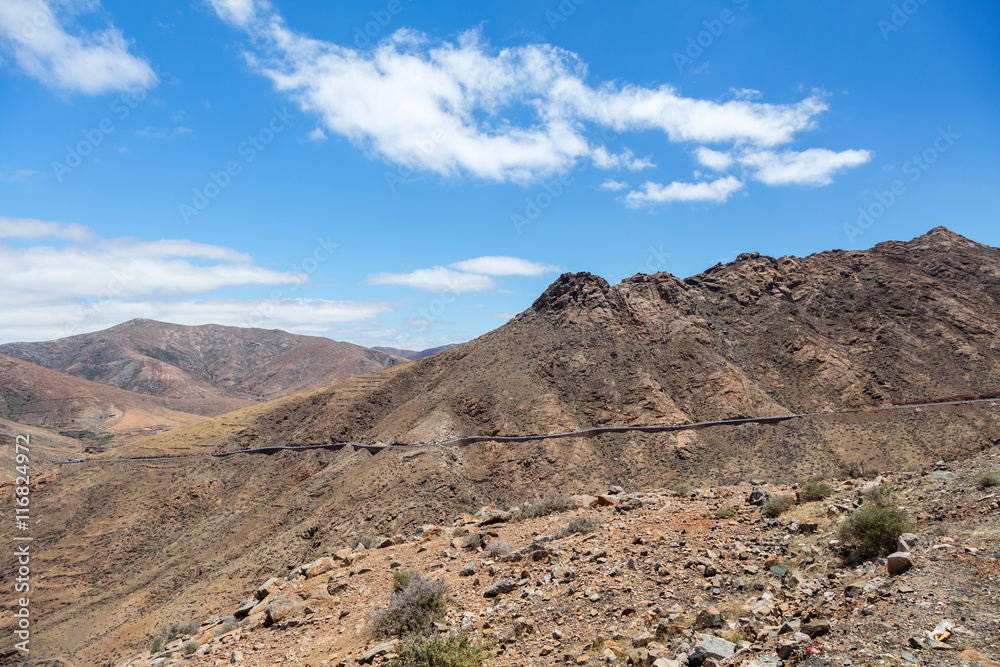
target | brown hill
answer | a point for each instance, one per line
(415, 354)
(899, 323)
(208, 362)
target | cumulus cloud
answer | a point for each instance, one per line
(716, 160)
(717, 191)
(503, 266)
(42, 39)
(612, 185)
(815, 166)
(437, 279)
(86, 283)
(514, 114)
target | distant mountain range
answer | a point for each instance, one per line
(415, 354)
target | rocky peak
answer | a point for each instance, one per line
(579, 289)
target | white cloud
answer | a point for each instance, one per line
(503, 266)
(815, 166)
(88, 283)
(40, 36)
(26, 228)
(450, 107)
(437, 279)
(612, 185)
(717, 191)
(716, 160)
(317, 135)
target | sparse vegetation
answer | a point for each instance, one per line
(775, 506)
(401, 579)
(455, 651)
(180, 630)
(987, 478)
(872, 530)
(364, 540)
(883, 495)
(683, 488)
(725, 513)
(190, 646)
(228, 626)
(497, 547)
(580, 525)
(476, 540)
(155, 644)
(413, 608)
(544, 506)
(815, 489)
(856, 470)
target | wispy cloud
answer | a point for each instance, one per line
(815, 166)
(503, 266)
(85, 283)
(448, 107)
(612, 185)
(436, 279)
(44, 42)
(717, 191)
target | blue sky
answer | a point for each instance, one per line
(407, 173)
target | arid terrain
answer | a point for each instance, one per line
(125, 549)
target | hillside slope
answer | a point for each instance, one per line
(208, 362)
(902, 322)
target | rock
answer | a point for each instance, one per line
(585, 500)
(502, 587)
(779, 570)
(642, 639)
(381, 649)
(666, 662)
(563, 573)
(335, 587)
(382, 542)
(638, 657)
(716, 647)
(606, 500)
(899, 562)
(318, 567)
(272, 585)
(468, 569)
(236, 657)
(709, 618)
(758, 496)
(917, 643)
(282, 608)
(766, 661)
(906, 542)
(615, 490)
(972, 656)
(816, 628)
(244, 609)
(493, 516)
(523, 626)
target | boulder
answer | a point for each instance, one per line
(468, 569)
(502, 587)
(318, 567)
(282, 608)
(906, 542)
(272, 585)
(493, 516)
(709, 618)
(716, 648)
(381, 649)
(758, 496)
(899, 562)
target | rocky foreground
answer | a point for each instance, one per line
(669, 577)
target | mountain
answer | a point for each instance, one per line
(205, 362)
(414, 354)
(760, 336)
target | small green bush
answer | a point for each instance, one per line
(776, 506)
(228, 626)
(364, 540)
(817, 478)
(814, 490)
(181, 629)
(455, 651)
(413, 608)
(872, 530)
(190, 646)
(580, 525)
(155, 644)
(476, 540)
(725, 513)
(987, 478)
(883, 495)
(683, 488)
